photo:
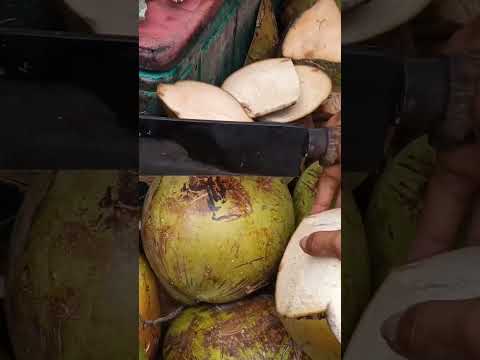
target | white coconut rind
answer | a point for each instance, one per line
(449, 276)
(309, 285)
(195, 100)
(317, 34)
(265, 86)
(377, 17)
(315, 87)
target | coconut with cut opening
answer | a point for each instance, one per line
(316, 34)
(444, 277)
(309, 286)
(315, 87)
(265, 86)
(200, 101)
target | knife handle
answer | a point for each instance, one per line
(324, 145)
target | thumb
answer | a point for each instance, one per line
(436, 330)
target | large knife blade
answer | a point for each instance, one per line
(192, 147)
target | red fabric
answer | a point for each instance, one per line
(169, 28)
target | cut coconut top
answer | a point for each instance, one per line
(443, 277)
(376, 17)
(315, 86)
(309, 285)
(200, 101)
(317, 34)
(265, 86)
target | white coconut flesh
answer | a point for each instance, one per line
(107, 17)
(309, 285)
(142, 9)
(265, 86)
(444, 277)
(200, 101)
(316, 34)
(315, 87)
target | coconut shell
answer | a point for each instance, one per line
(265, 40)
(216, 239)
(73, 262)
(195, 100)
(315, 86)
(149, 309)
(443, 277)
(265, 86)
(293, 9)
(456, 11)
(316, 34)
(396, 202)
(314, 337)
(244, 330)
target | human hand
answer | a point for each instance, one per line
(326, 243)
(445, 329)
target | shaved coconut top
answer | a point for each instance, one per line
(444, 277)
(317, 34)
(265, 86)
(200, 101)
(315, 86)
(308, 285)
(376, 17)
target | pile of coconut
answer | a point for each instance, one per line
(302, 81)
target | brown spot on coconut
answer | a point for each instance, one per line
(307, 285)
(315, 87)
(444, 277)
(316, 34)
(265, 86)
(200, 101)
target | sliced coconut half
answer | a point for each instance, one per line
(265, 86)
(200, 101)
(315, 86)
(309, 285)
(317, 34)
(449, 276)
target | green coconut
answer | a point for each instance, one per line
(244, 330)
(356, 287)
(216, 239)
(148, 309)
(391, 220)
(305, 190)
(73, 268)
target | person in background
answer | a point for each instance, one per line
(436, 329)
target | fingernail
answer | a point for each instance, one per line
(303, 243)
(390, 327)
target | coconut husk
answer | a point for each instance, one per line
(266, 39)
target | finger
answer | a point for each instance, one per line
(448, 198)
(327, 188)
(334, 121)
(473, 234)
(436, 330)
(465, 39)
(446, 205)
(323, 244)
